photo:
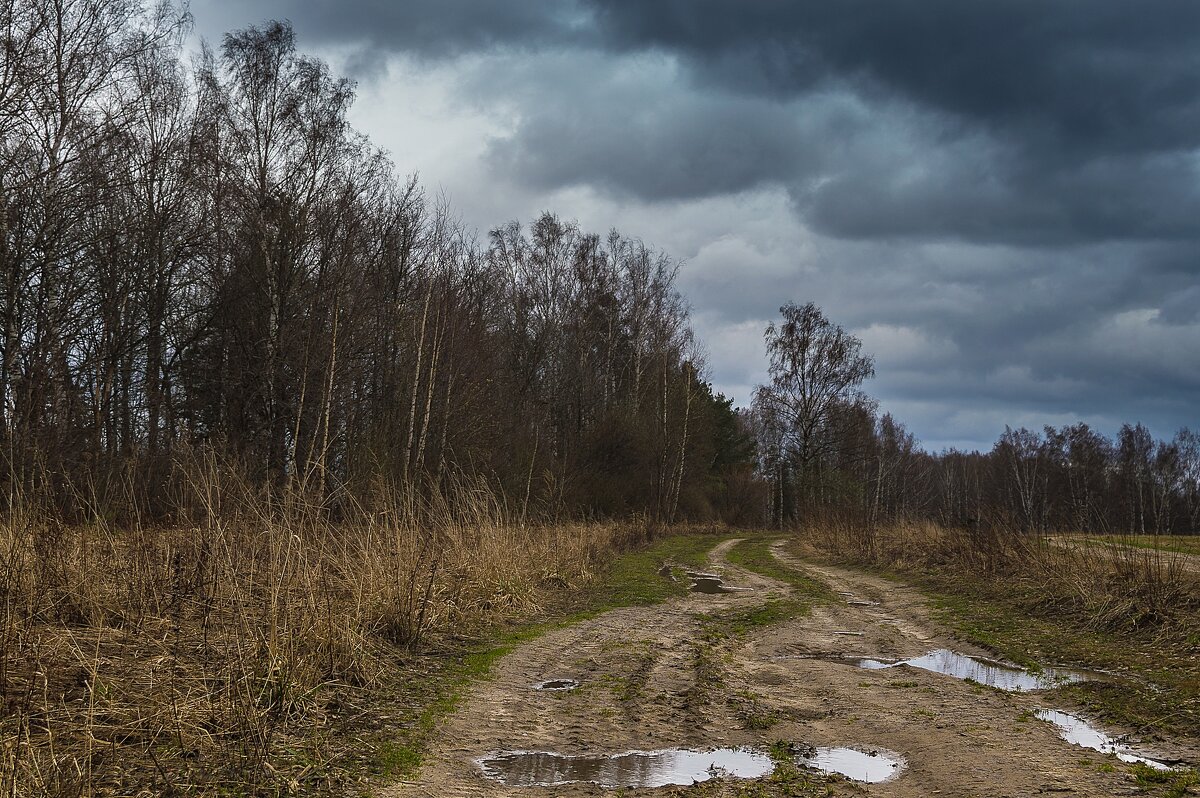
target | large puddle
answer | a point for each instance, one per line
(675, 766)
(711, 583)
(557, 685)
(992, 674)
(1077, 731)
(868, 766)
(632, 769)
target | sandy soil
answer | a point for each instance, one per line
(649, 682)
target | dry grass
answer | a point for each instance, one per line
(1103, 587)
(230, 656)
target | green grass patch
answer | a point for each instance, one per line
(1161, 692)
(1172, 783)
(754, 554)
(788, 780)
(632, 579)
(742, 621)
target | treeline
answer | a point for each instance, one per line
(825, 450)
(203, 262)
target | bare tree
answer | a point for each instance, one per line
(816, 369)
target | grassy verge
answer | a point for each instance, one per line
(632, 579)
(754, 554)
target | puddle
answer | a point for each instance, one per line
(1079, 732)
(632, 769)
(867, 766)
(992, 674)
(711, 584)
(557, 685)
(676, 766)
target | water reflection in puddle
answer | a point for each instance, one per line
(711, 584)
(1079, 732)
(675, 766)
(632, 769)
(554, 685)
(992, 674)
(871, 767)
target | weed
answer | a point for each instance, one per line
(1174, 783)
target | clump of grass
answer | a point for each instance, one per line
(1172, 783)
(787, 780)
(242, 653)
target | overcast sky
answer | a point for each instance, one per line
(1000, 198)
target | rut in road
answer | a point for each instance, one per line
(648, 681)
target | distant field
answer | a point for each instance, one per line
(1184, 544)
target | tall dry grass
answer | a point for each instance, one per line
(1102, 586)
(222, 656)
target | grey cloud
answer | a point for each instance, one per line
(430, 28)
(1022, 121)
(1103, 72)
(1012, 182)
(667, 149)
(986, 198)
(994, 334)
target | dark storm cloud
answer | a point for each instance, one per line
(1018, 201)
(1030, 121)
(1046, 122)
(432, 28)
(1024, 122)
(1101, 75)
(1001, 197)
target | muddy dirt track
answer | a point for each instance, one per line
(649, 682)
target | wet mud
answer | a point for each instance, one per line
(655, 690)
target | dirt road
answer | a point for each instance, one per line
(1165, 561)
(649, 681)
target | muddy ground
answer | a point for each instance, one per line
(650, 681)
